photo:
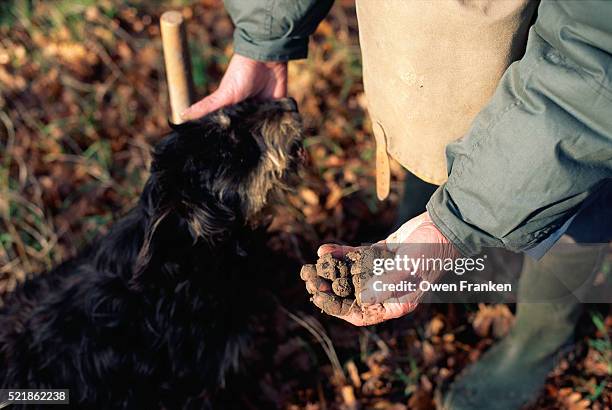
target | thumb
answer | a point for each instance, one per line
(213, 102)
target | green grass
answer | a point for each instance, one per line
(602, 345)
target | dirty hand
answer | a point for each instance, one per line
(244, 78)
(416, 239)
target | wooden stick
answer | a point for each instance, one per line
(178, 63)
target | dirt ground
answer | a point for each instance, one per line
(83, 98)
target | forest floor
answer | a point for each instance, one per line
(82, 100)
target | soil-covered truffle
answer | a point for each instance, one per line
(330, 268)
(345, 276)
(342, 287)
(308, 272)
(326, 266)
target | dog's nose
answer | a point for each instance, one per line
(288, 104)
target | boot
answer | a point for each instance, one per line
(512, 373)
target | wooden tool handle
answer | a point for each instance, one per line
(178, 63)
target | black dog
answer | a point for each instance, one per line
(155, 313)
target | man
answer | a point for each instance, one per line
(518, 116)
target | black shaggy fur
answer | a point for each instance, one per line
(155, 314)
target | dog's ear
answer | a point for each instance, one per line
(163, 235)
(156, 250)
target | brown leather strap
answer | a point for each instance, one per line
(383, 172)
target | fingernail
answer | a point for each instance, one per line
(323, 249)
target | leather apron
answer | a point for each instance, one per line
(429, 66)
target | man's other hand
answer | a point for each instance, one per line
(244, 78)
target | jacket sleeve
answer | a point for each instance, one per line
(543, 144)
(275, 30)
